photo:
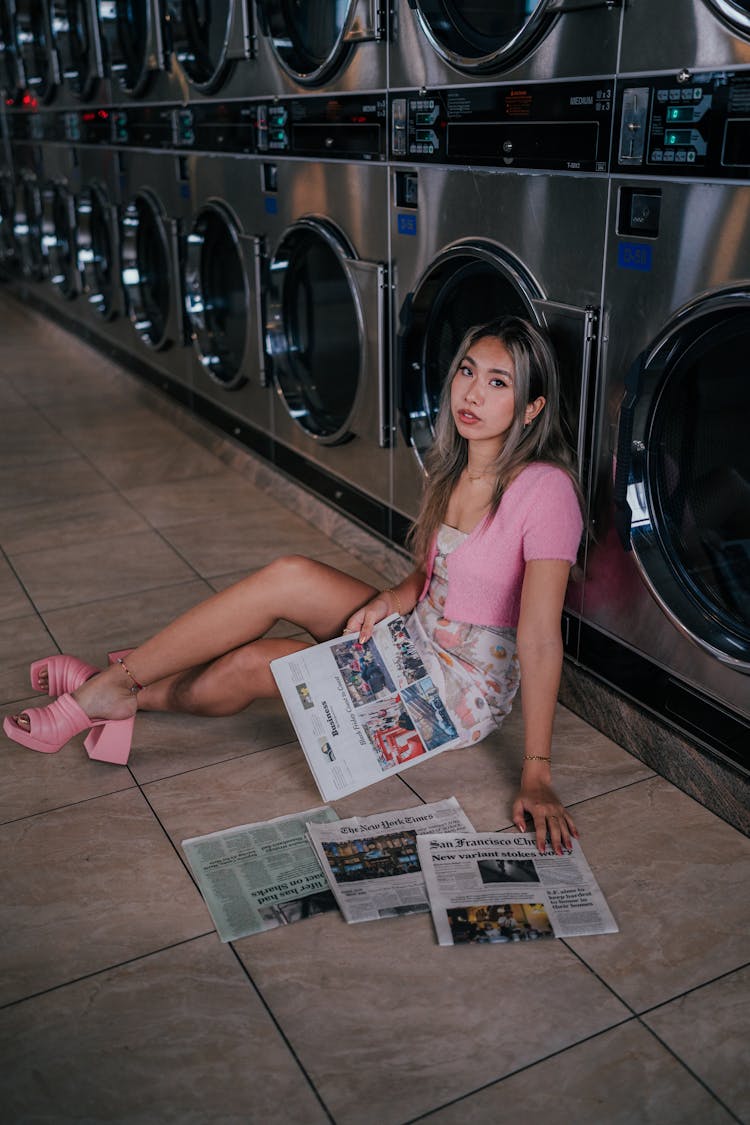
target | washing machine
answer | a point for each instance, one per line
(98, 239)
(28, 230)
(438, 43)
(470, 244)
(8, 253)
(223, 296)
(12, 75)
(212, 47)
(155, 218)
(322, 46)
(35, 46)
(327, 330)
(137, 47)
(76, 37)
(666, 599)
(60, 221)
(685, 34)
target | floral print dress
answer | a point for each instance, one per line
(474, 667)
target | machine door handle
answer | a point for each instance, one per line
(623, 512)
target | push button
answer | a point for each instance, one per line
(644, 213)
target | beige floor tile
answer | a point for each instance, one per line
(585, 764)
(622, 1077)
(173, 459)
(463, 1017)
(223, 493)
(22, 639)
(93, 629)
(164, 745)
(709, 1029)
(34, 783)
(178, 1037)
(670, 872)
(97, 423)
(65, 523)
(27, 439)
(13, 600)
(100, 568)
(227, 546)
(63, 480)
(90, 886)
(259, 787)
(10, 399)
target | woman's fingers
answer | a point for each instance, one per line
(551, 822)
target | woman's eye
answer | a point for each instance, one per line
(498, 383)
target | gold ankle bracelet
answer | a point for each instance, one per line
(135, 687)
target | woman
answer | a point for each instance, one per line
(497, 533)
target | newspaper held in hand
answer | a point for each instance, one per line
(256, 877)
(497, 887)
(363, 712)
(371, 862)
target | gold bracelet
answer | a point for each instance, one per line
(396, 599)
(537, 758)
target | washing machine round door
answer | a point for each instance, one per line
(199, 32)
(217, 296)
(76, 32)
(735, 12)
(28, 227)
(689, 478)
(126, 27)
(146, 270)
(35, 47)
(314, 329)
(59, 226)
(484, 35)
(310, 40)
(12, 77)
(96, 264)
(468, 284)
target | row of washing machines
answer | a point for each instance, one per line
(293, 239)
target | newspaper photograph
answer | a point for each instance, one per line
(256, 877)
(363, 712)
(372, 864)
(497, 887)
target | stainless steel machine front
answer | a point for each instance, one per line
(685, 34)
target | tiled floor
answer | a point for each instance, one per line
(117, 1001)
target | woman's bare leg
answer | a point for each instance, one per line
(316, 597)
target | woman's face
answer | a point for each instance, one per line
(483, 397)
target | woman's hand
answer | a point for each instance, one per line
(363, 620)
(539, 800)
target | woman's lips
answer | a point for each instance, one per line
(467, 416)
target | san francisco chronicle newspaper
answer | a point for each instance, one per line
(371, 862)
(363, 712)
(258, 876)
(497, 887)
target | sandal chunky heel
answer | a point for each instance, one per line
(51, 727)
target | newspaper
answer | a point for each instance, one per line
(497, 887)
(363, 712)
(258, 876)
(371, 862)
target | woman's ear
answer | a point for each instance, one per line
(534, 408)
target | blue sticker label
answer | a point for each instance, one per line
(185, 191)
(407, 224)
(634, 256)
(271, 204)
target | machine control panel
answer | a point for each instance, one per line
(688, 125)
(351, 127)
(561, 126)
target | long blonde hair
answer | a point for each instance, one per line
(536, 374)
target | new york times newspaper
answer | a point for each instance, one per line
(496, 888)
(371, 862)
(363, 712)
(256, 877)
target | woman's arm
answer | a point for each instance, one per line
(540, 654)
(398, 599)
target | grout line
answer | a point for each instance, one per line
(691, 1072)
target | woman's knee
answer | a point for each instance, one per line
(291, 570)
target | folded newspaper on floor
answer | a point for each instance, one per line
(497, 887)
(363, 712)
(371, 862)
(256, 877)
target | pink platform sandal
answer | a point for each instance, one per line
(52, 726)
(64, 674)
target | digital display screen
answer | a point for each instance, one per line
(677, 136)
(679, 113)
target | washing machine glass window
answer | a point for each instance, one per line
(75, 38)
(95, 250)
(126, 26)
(315, 330)
(308, 39)
(697, 480)
(217, 297)
(60, 238)
(35, 48)
(736, 12)
(28, 228)
(145, 270)
(484, 35)
(11, 73)
(465, 286)
(200, 37)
